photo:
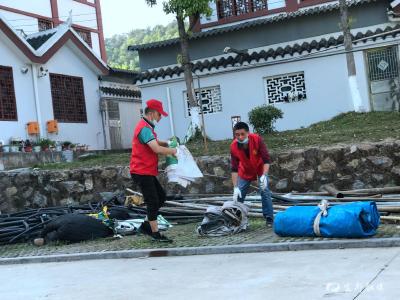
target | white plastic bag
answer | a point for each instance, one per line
(186, 171)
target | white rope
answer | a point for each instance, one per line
(323, 206)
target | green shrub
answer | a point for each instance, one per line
(262, 118)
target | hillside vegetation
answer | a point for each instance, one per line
(116, 46)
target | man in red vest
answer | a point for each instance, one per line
(250, 161)
(144, 166)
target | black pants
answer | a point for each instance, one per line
(153, 194)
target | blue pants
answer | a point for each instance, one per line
(266, 200)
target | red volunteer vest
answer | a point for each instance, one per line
(143, 160)
(249, 168)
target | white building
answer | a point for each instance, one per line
(32, 16)
(51, 55)
(294, 59)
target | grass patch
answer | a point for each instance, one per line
(183, 236)
(344, 128)
(111, 159)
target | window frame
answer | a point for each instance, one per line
(47, 22)
(186, 101)
(88, 34)
(62, 105)
(10, 92)
(304, 94)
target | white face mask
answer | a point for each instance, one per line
(154, 121)
(246, 141)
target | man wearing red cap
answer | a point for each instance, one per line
(144, 166)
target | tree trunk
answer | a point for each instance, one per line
(187, 68)
(351, 66)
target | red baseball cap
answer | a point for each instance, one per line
(157, 106)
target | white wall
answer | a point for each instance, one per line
(326, 86)
(96, 43)
(10, 56)
(130, 116)
(90, 133)
(27, 24)
(82, 14)
(39, 7)
(362, 79)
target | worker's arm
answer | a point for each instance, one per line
(163, 143)
(265, 157)
(234, 178)
(234, 169)
(155, 146)
(266, 169)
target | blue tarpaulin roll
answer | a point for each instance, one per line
(352, 220)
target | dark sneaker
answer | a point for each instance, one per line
(145, 228)
(158, 237)
(269, 222)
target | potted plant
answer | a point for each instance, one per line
(28, 146)
(5, 148)
(58, 146)
(66, 145)
(36, 146)
(45, 144)
(67, 152)
(15, 144)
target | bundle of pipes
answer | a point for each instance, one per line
(388, 202)
(27, 225)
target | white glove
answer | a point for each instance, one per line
(177, 152)
(263, 182)
(236, 194)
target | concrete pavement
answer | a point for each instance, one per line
(321, 274)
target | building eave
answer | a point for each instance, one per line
(273, 53)
(51, 45)
(312, 10)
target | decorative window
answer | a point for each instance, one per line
(45, 24)
(8, 106)
(85, 35)
(383, 64)
(68, 98)
(259, 5)
(286, 88)
(228, 8)
(209, 98)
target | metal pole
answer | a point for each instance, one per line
(37, 101)
(202, 116)
(171, 121)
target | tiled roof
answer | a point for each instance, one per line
(121, 92)
(252, 23)
(37, 41)
(305, 47)
(123, 73)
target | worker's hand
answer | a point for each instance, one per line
(236, 194)
(264, 182)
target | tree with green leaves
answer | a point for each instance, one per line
(190, 10)
(345, 24)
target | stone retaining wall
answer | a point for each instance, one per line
(346, 166)
(13, 160)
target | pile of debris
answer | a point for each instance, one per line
(190, 208)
